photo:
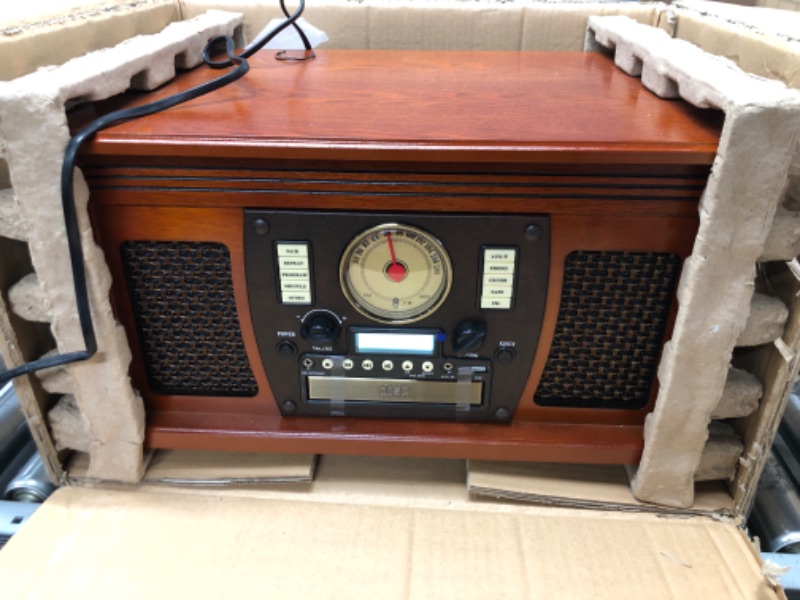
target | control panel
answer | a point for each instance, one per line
(395, 366)
(397, 315)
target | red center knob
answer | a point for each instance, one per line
(396, 271)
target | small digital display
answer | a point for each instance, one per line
(373, 342)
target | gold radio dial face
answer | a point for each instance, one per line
(395, 273)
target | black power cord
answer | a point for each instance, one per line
(128, 114)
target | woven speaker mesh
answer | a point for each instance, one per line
(610, 330)
(182, 299)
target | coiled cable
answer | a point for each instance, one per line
(114, 118)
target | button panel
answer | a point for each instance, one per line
(498, 278)
(294, 272)
(455, 379)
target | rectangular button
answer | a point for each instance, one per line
(298, 249)
(296, 297)
(296, 286)
(491, 291)
(292, 262)
(498, 280)
(493, 268)
(495, 303)
(499, 255)
(294, 275)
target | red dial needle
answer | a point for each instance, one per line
(396, 271)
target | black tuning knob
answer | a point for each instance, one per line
(320, 328)
(469, 336)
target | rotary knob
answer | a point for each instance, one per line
(469, 336)
(320, 328)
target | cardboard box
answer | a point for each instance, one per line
(410, 528)
(372, 528)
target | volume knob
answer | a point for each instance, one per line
(320, 328)
(469, 336)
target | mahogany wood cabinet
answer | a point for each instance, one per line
(447, 254)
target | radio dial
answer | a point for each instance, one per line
(395, 273)
(320, 328)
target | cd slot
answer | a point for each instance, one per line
(361, 389)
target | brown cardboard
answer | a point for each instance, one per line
(50, 34)
(765, 323)
(143, 543)
(439, 24)
(218, 468)
(583, 486)
(109, 418)
(31, 121)
(409, 481)
(750, 176)
(378, 24)
(362, 480)
(210, 469)
(777, 366)
(372, 528)
(760, 40)
(405, 528)
(740, 396)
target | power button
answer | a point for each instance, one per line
(286, 348)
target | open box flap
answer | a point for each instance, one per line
(407, 481)
(94, 543)
(601, 487)
(208, 468)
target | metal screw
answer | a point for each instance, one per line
(533, 232)
(502, 414)
(261, 226)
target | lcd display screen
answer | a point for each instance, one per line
(418, 344)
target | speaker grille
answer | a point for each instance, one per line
(182, 299)
(610, 330)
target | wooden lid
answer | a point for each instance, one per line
(424, 106)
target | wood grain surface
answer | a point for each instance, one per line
(564, 134)
(462, 106)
